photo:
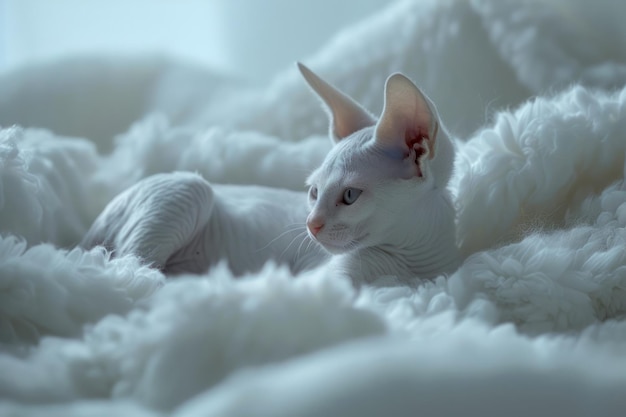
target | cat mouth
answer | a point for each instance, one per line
(344, 246)
(334, 249)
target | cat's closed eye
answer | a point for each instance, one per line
(313, 193)
(350, 195)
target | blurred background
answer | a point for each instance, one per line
(94, 68)
(248, 38)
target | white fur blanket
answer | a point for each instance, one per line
(531, 324)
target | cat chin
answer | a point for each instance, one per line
(334, 250)
(346, 247)
(331, 248)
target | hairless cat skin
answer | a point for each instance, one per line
(378, 206)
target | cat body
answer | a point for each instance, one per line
(378, 205)
(180, 223)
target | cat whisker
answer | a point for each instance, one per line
(301, 234)
(308, 245)
(311, 242)
(293, 229)
(300, 248)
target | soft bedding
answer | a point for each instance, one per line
(532, 323)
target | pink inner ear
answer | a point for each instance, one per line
(414, 136)
(416, 140)
(419, 140)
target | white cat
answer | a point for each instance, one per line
(378, 205)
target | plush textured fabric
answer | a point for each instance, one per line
(531, 323)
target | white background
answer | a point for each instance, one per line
(245, 37)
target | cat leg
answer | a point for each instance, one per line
(155, 218)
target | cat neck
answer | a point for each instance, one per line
(429, 251)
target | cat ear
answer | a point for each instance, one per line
(346, 115)
(408, 122)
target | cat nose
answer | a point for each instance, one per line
(314, 226)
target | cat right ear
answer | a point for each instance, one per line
(409, 122)
(346, 115)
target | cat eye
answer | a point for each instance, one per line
(351, 195)
(313, 193)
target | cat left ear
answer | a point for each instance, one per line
(346, 115)
(408, 122)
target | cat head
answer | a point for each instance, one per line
(372, 187)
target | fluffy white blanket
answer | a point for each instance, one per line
(532, 323)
